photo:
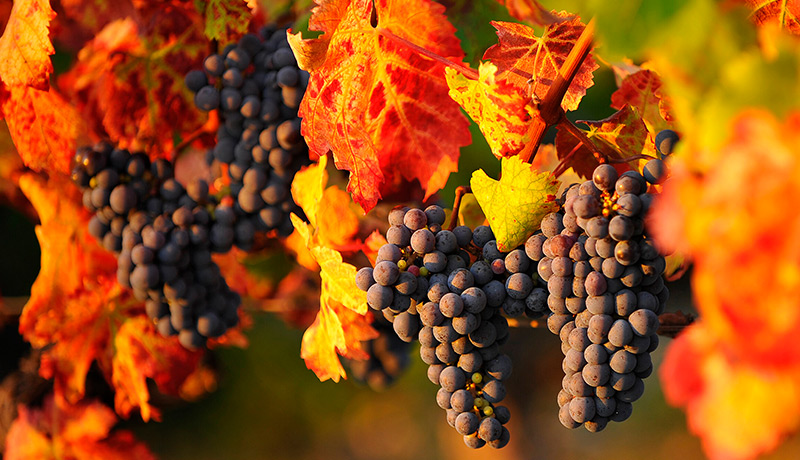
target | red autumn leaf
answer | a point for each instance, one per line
(25, 46)
(642, 90)
(522, 57)
(619, 136)
(785, 14)
(44, 127)
(142, 353)
(128, 82)
(380, 107)
(82, 431)
(531, 11)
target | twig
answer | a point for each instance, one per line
(461, 190)
(549, 111)
(469, 73)
(674, 323)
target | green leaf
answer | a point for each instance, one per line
(516, 203)
(223, 15)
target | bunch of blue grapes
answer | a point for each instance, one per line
(606, 290)
(388, 357)
(450, 289)
(257, 88)
(163, 235)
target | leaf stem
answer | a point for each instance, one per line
(461, 190)
(469, 73)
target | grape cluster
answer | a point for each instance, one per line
(257, 87)
(449, 289)
(606, 290)
(163, 235)
(389, 357)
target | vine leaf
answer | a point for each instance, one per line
(380, 107)
(342, 321)
(222, 16)
(621, 135)
(785, 14)
(77, 307)
(532, 12)
(127, 83)
(25, 46)
(500, 109)
(82, 430)
(43, 126)
(642, 90)
(516, 203)
(522, 57)
(141, 354)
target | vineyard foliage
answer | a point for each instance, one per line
(389, 101)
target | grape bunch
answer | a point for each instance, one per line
(389, 357)
(449, 289)
(257, 88)
(163, 235)
(604, 278)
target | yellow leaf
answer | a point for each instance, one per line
(516, 203)
(500, 109)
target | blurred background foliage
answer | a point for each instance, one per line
(268, 405)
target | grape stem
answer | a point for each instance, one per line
(549, 111)
(461, 190)
(472, 74)
(672, 323)
(209, 127)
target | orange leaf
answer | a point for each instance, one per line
(531, 11)
(619, 136)
(82, 431)
(25, 46)
(785, 14)
(75, 295)
(642, 91)
(372, 244)
(76, 308)
(336, 329)
(44, 127)
(731, 220)
(722, 397)
(141, 354)
(521, 56)
(380, 107)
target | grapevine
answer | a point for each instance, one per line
(194, 171)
